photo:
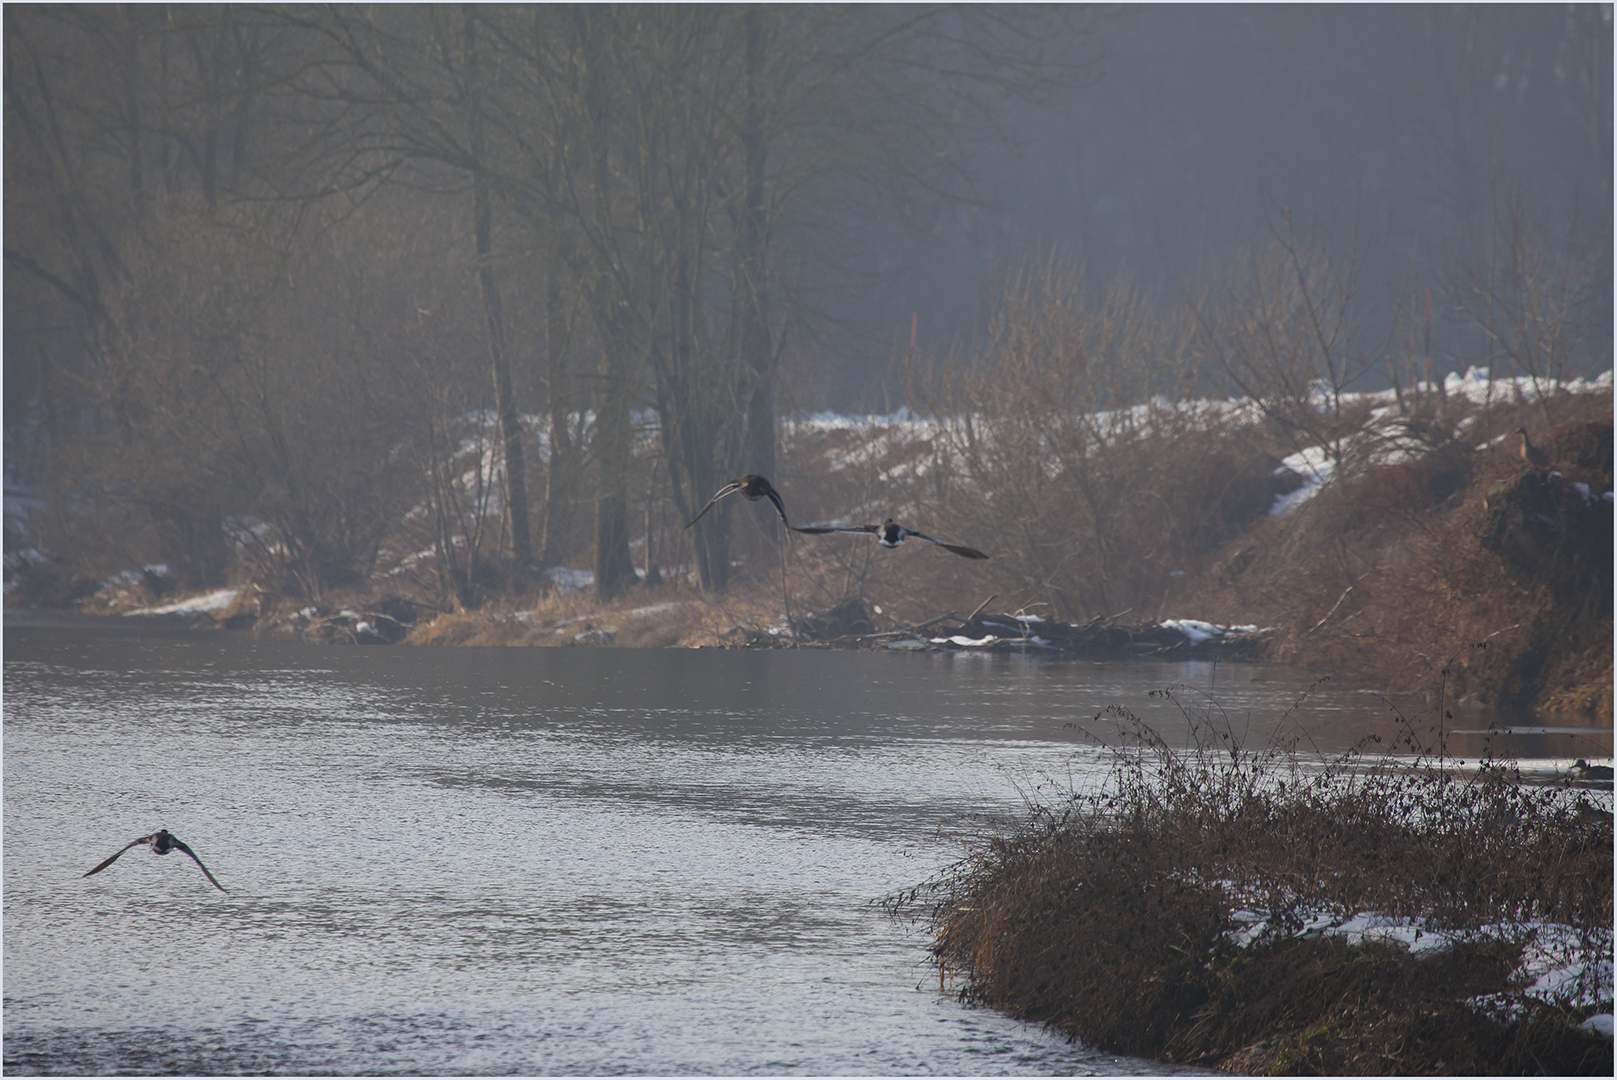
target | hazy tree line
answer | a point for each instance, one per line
(490, 283)
(275, 276)
(1403, 123)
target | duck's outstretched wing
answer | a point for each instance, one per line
(774, 497)
(958, 549)
(820, 530)
(728, 489)
(181, 846)
(114, 856)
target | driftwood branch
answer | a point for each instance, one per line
(974, 614)
(1331, 612)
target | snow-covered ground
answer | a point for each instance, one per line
(1383, 441)
(217, 600)
(1195, 631)
(1557, 967)
(1198, 631)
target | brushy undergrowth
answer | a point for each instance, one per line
(1176, 911)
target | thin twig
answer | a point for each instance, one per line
(785, 595)
(1331, 612)
(940, 618)
(892, 633)
(974, 614)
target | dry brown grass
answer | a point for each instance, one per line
(1108, 915)
(651, 618)
(1398, 575)
(1413, 576)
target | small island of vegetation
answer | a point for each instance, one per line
(1240, 910)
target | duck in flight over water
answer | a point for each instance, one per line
(754, 487)
(891, 534)
(162, 842)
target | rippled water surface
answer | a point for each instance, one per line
(524, 861)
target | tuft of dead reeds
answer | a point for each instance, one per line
(1183, 911)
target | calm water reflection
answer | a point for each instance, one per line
(528, 861)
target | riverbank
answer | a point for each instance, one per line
(1426, 554)
(1234, 910)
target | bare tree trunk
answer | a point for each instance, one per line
(137, 183)
(614, 571)
(516, 473)
(752, 242)
(561, 479)
(653, 574)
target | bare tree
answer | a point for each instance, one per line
(707, 141)
(1285, 326)
(1046, 430)
(666, 168)
(1540, 295)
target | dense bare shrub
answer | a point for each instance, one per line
(1114, 915)
(1059, 442)
(1539, 294)
(1284, 326)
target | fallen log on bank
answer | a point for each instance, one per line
(852, 624)
(1103, 637)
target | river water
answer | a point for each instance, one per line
(535, 861)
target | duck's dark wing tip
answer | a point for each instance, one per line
(958, 549)
(780, 507)
(968, 552)
(177, 843)
(727, 489)
(110, 859)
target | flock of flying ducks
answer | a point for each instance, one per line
(889, 533)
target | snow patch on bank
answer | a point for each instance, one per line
(217, 600)
(1198, 631)
(570, 581)
(1557, 965)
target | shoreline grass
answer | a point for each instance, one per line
(1253, 911)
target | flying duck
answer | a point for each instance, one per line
(754, 487)
(162, 842)
(891, 534)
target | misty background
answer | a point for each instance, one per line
(1198, 124)
(493, 287)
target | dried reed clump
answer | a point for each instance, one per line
(1111, 916)
(1453, 569)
